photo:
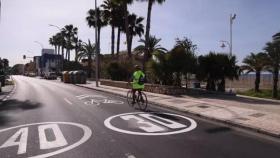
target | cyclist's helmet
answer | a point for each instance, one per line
(137, 67)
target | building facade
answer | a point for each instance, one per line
(48, 62)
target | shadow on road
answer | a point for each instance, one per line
(158, 113)
(218, 130)
(14, 106)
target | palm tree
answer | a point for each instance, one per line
(51, 41)
(186, 43)
(120, 23)
(77, 47)
(111, 15)
(276, 37)
(273, 51)
(70, 33)
(190, 58)
(61, 43)
(135, 27)
(148, 24)
(101, 21)
(214, 68)
(124, 4)
(152, 47)
(54, 42)
(255, 63)
(87, 51)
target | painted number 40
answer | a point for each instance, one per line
(22, 134)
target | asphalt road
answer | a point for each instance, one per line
(52, 119)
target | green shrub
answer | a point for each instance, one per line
(120, 71)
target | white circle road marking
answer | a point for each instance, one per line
(87, 135)
(108, 124)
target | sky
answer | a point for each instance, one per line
(205, 22)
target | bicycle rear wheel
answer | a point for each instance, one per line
(129, 97)
(142, 101)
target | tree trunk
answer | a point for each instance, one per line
(178, 79)
(130, 44)
(76, 55)
(275, 82)
(127, 32)
(89, 66)
(210, 85)
(186, 78)
(118, 41)
(113, 41)
(98, 47)
(69, 55)
(66, 54)
(55, 49)
(257, 81)
(221, 85)
(98, 38)
(58, 50)
(147, 35)
(62, 52)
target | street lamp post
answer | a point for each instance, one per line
(51, 25)
(223, 44)
(39, 44)
(232, 17)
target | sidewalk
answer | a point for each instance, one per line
(258, 115)
(5, 92)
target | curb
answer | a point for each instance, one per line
(227, 122)
(5, 98)
(259, 99)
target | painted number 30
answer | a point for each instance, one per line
(148, 126)
(21, 136)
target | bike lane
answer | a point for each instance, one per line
(156, 133)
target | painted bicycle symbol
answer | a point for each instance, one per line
(97, 100)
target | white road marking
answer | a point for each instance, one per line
(166, 122)
(22, 143)
(59, 141)
(65, 99)
(143, 124)
(140, 124)
(86, 135)
(128, 155)
(82, 96)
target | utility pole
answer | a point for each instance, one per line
(232, 17)
(96, 47)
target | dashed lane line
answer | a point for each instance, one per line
(67, 101)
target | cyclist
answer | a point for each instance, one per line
(138, 78)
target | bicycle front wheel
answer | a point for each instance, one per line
(142, 101)
(129, 97)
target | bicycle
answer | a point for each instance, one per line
(141, 99)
